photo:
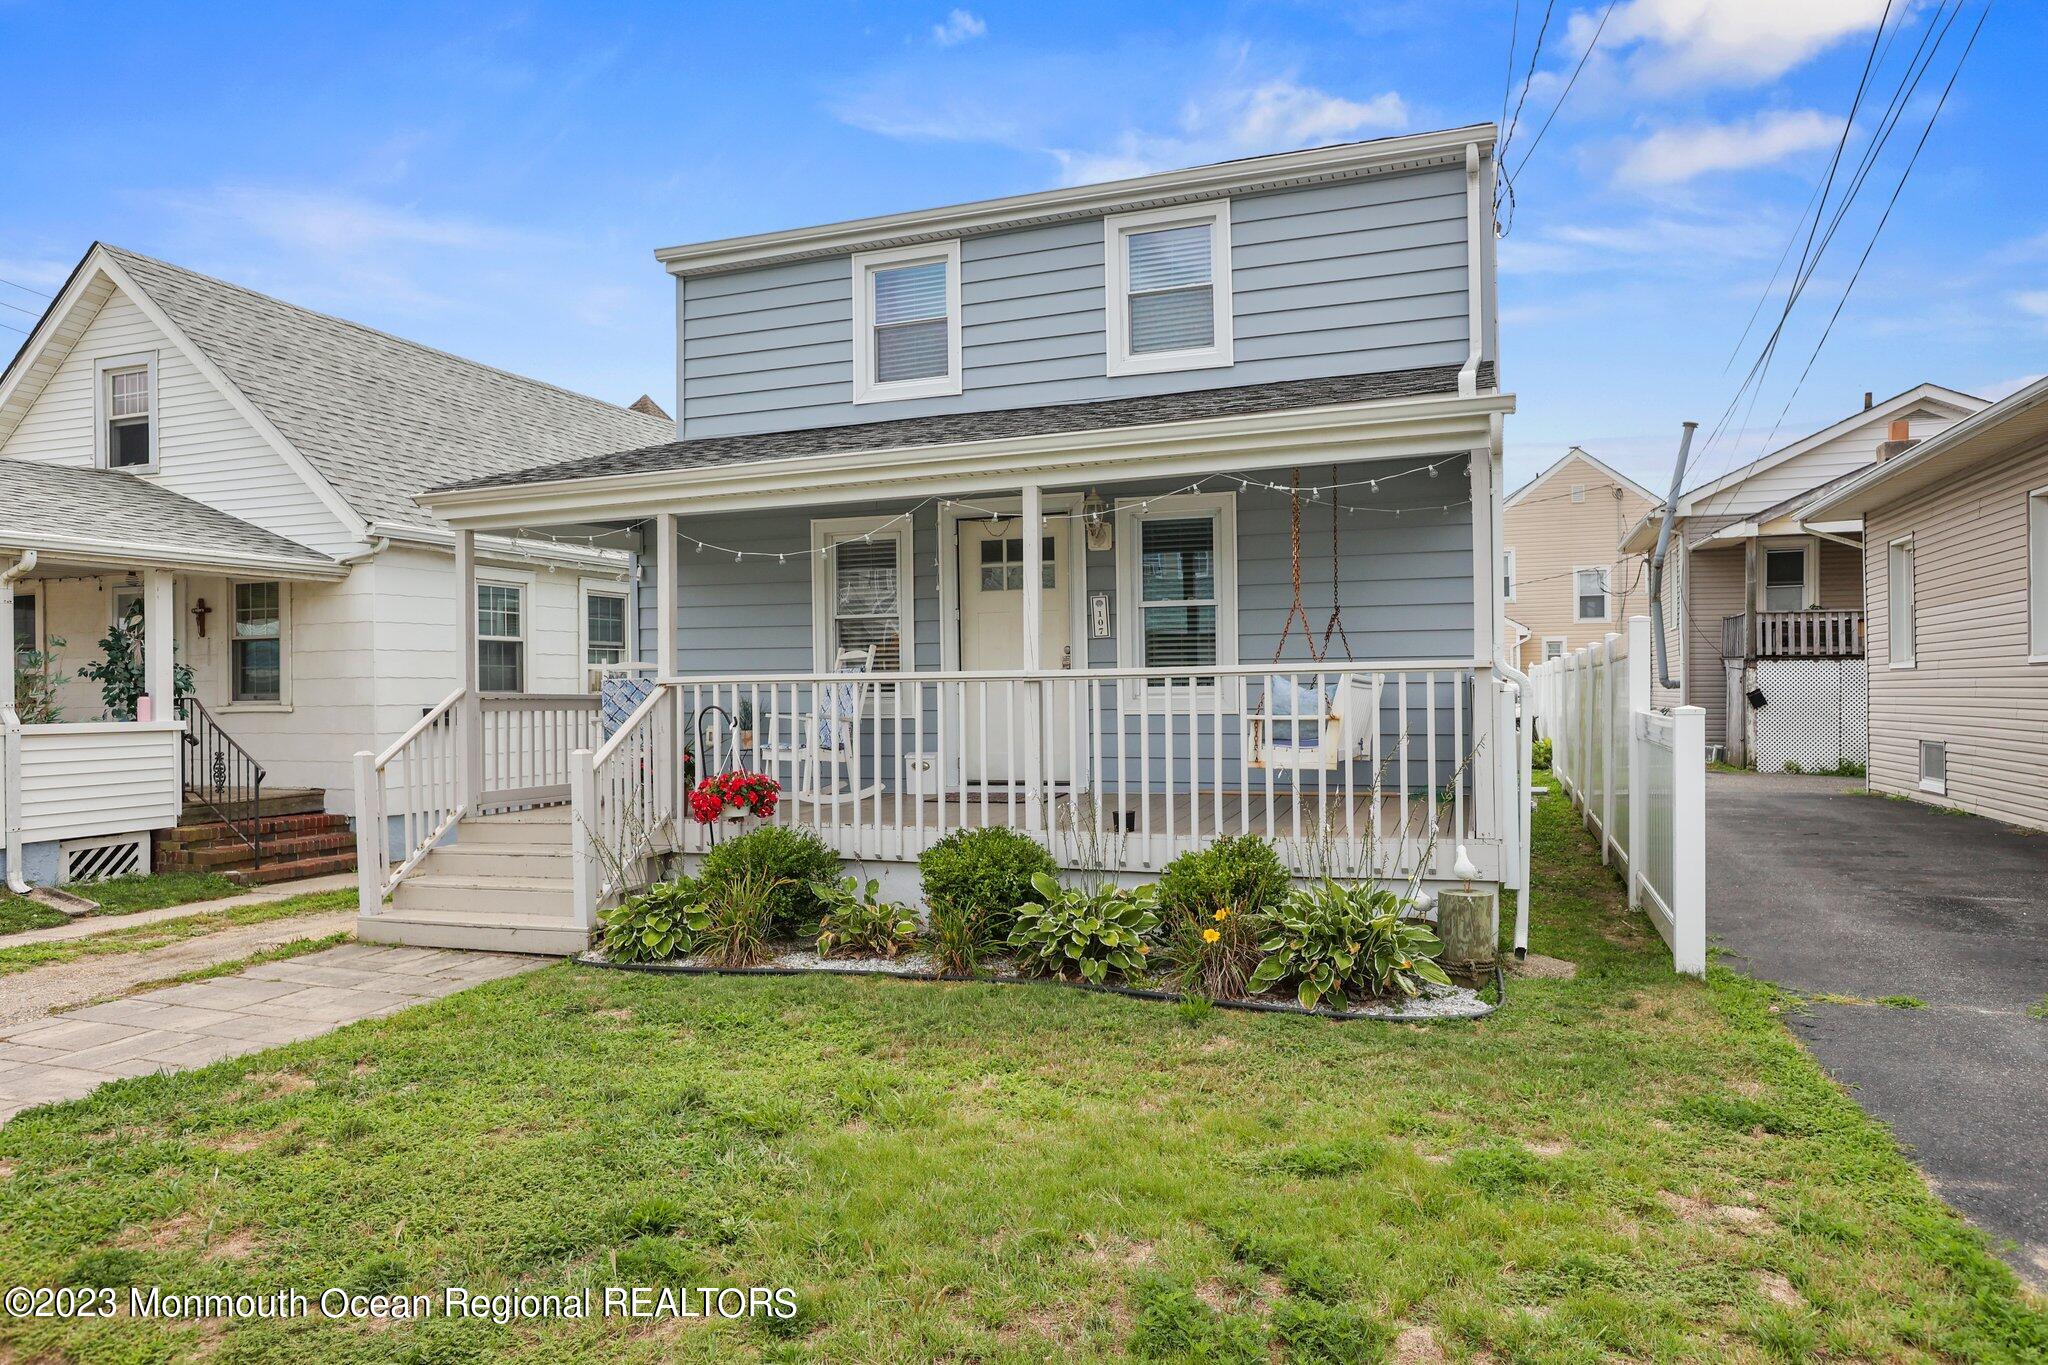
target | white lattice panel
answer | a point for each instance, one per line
(1814, 714)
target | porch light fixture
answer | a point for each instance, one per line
(1095, 516)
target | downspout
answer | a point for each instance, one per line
(1664, 677)
(10, 751)
(1525, 695)
(1475, 274)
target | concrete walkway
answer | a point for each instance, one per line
(181, 1027)
(1861, 897)
(89, 925)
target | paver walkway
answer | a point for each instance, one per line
(181, 1027)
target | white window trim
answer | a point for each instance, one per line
(34, 597)
(825, 532)
(2037, 576)
(586, 589)
(1607, 597)
(525, 585)
(1891, 606)
(865, 263)
(1117, 280)
(1508, 573)
(101, 369)
(1933, 786)
(1130, 512)
(1809, 546)
(284, 650)
(1564, 647)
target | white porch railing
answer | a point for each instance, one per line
(527, 741)
(1639, 777)
(1117, 770)
(625, 803)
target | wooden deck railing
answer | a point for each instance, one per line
(1792, 635)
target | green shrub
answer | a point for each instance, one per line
(1540, 752)
(1331, 939)
(652, 926)
(987, 871)
(793, 860)
(1241, 873)
(1091, 933)
(858, 921)
(958, 938)
(733, 923)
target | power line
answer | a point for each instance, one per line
(1523, 164)
(26, 290)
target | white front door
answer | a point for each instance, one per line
(992, 638)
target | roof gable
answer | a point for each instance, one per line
(1576, 455)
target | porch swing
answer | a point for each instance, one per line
(1295, 727)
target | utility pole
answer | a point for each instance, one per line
(1664, 677)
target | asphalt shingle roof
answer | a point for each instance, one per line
(947, 428)
(39, 500)
(381, 418)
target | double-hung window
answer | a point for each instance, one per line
(1899, 603)
(2037, 575)
(256, 644)
(1168, 297)
(1589, 594)
(860, 591)
(500, 637)
(906, 323)
(126, 404)
(1788, 578)
(1177, 575)
(604, 627)
(1507, 575)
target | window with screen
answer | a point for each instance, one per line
(1589, 594)
(126, 404)
(1169, 290)
(500, 637)
(907, 323)
(1785, 580)
(256, 647)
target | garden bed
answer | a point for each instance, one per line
(1436, 1004)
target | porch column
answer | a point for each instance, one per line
(469, 713)
(665, 596)
(1034, 691)
(159, 630)
(7, 624)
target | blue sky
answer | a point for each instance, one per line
(492, 180)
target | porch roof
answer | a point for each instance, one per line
(68, 514)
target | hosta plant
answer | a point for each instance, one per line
(857, 920)
(653, 926)
(1085, 932)
(1327, 940)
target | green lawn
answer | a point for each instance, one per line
(139, 938)
(1623, 1164)
(119, 896)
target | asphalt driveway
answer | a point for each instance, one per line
(1840, 894)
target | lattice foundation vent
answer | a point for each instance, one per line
(95, 860)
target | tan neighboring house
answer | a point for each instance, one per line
(1564, 583)
(1956, 593)
(1764, 618)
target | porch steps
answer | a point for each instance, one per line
(502, 886)
(300, 839)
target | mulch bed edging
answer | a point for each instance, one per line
(1455, 1006)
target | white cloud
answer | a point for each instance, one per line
(2006, 388)
(1680, 44)
(1674, 155)
(1234, 121)
(2033, 301)
(328, 222)
(958, 28)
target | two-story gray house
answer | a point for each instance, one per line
(1127, 515)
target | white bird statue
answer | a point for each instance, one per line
(1464, 869)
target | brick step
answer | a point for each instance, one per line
(280, 826)
(232, 852)
(305, 802)
(293, 869)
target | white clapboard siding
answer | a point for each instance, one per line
(79, 780)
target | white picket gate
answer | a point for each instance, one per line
(1638, 775)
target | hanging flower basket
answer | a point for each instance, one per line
(734, 796)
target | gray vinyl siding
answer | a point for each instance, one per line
(1354, 277)
(1405, 583)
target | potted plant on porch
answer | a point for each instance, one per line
(733, 797)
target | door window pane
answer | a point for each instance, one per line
(1002, 565)
(1784, 580)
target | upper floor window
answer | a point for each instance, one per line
(1589, 594)
(126, 401)
(1507, 575)
(906, 323)
(1168, 290)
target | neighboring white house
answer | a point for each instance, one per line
(245, 468)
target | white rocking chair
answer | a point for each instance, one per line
(1295, 728)
(821, 747)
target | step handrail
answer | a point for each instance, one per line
(427, 762)
(216, 763)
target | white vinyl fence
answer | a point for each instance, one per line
(1638, 775)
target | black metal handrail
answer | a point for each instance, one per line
(223, 775)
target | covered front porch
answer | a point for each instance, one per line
(1123, 658)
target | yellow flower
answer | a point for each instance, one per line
(1143, 951)
(1222, 915)
(1210, 936)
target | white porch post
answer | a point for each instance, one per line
(1492, 769)
(469, 714)
(7, 697)
(159, 630)
(665, 595)
(1034, 618)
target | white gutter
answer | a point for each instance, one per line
(85, 550)
(1475, 273)
(10, 754)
